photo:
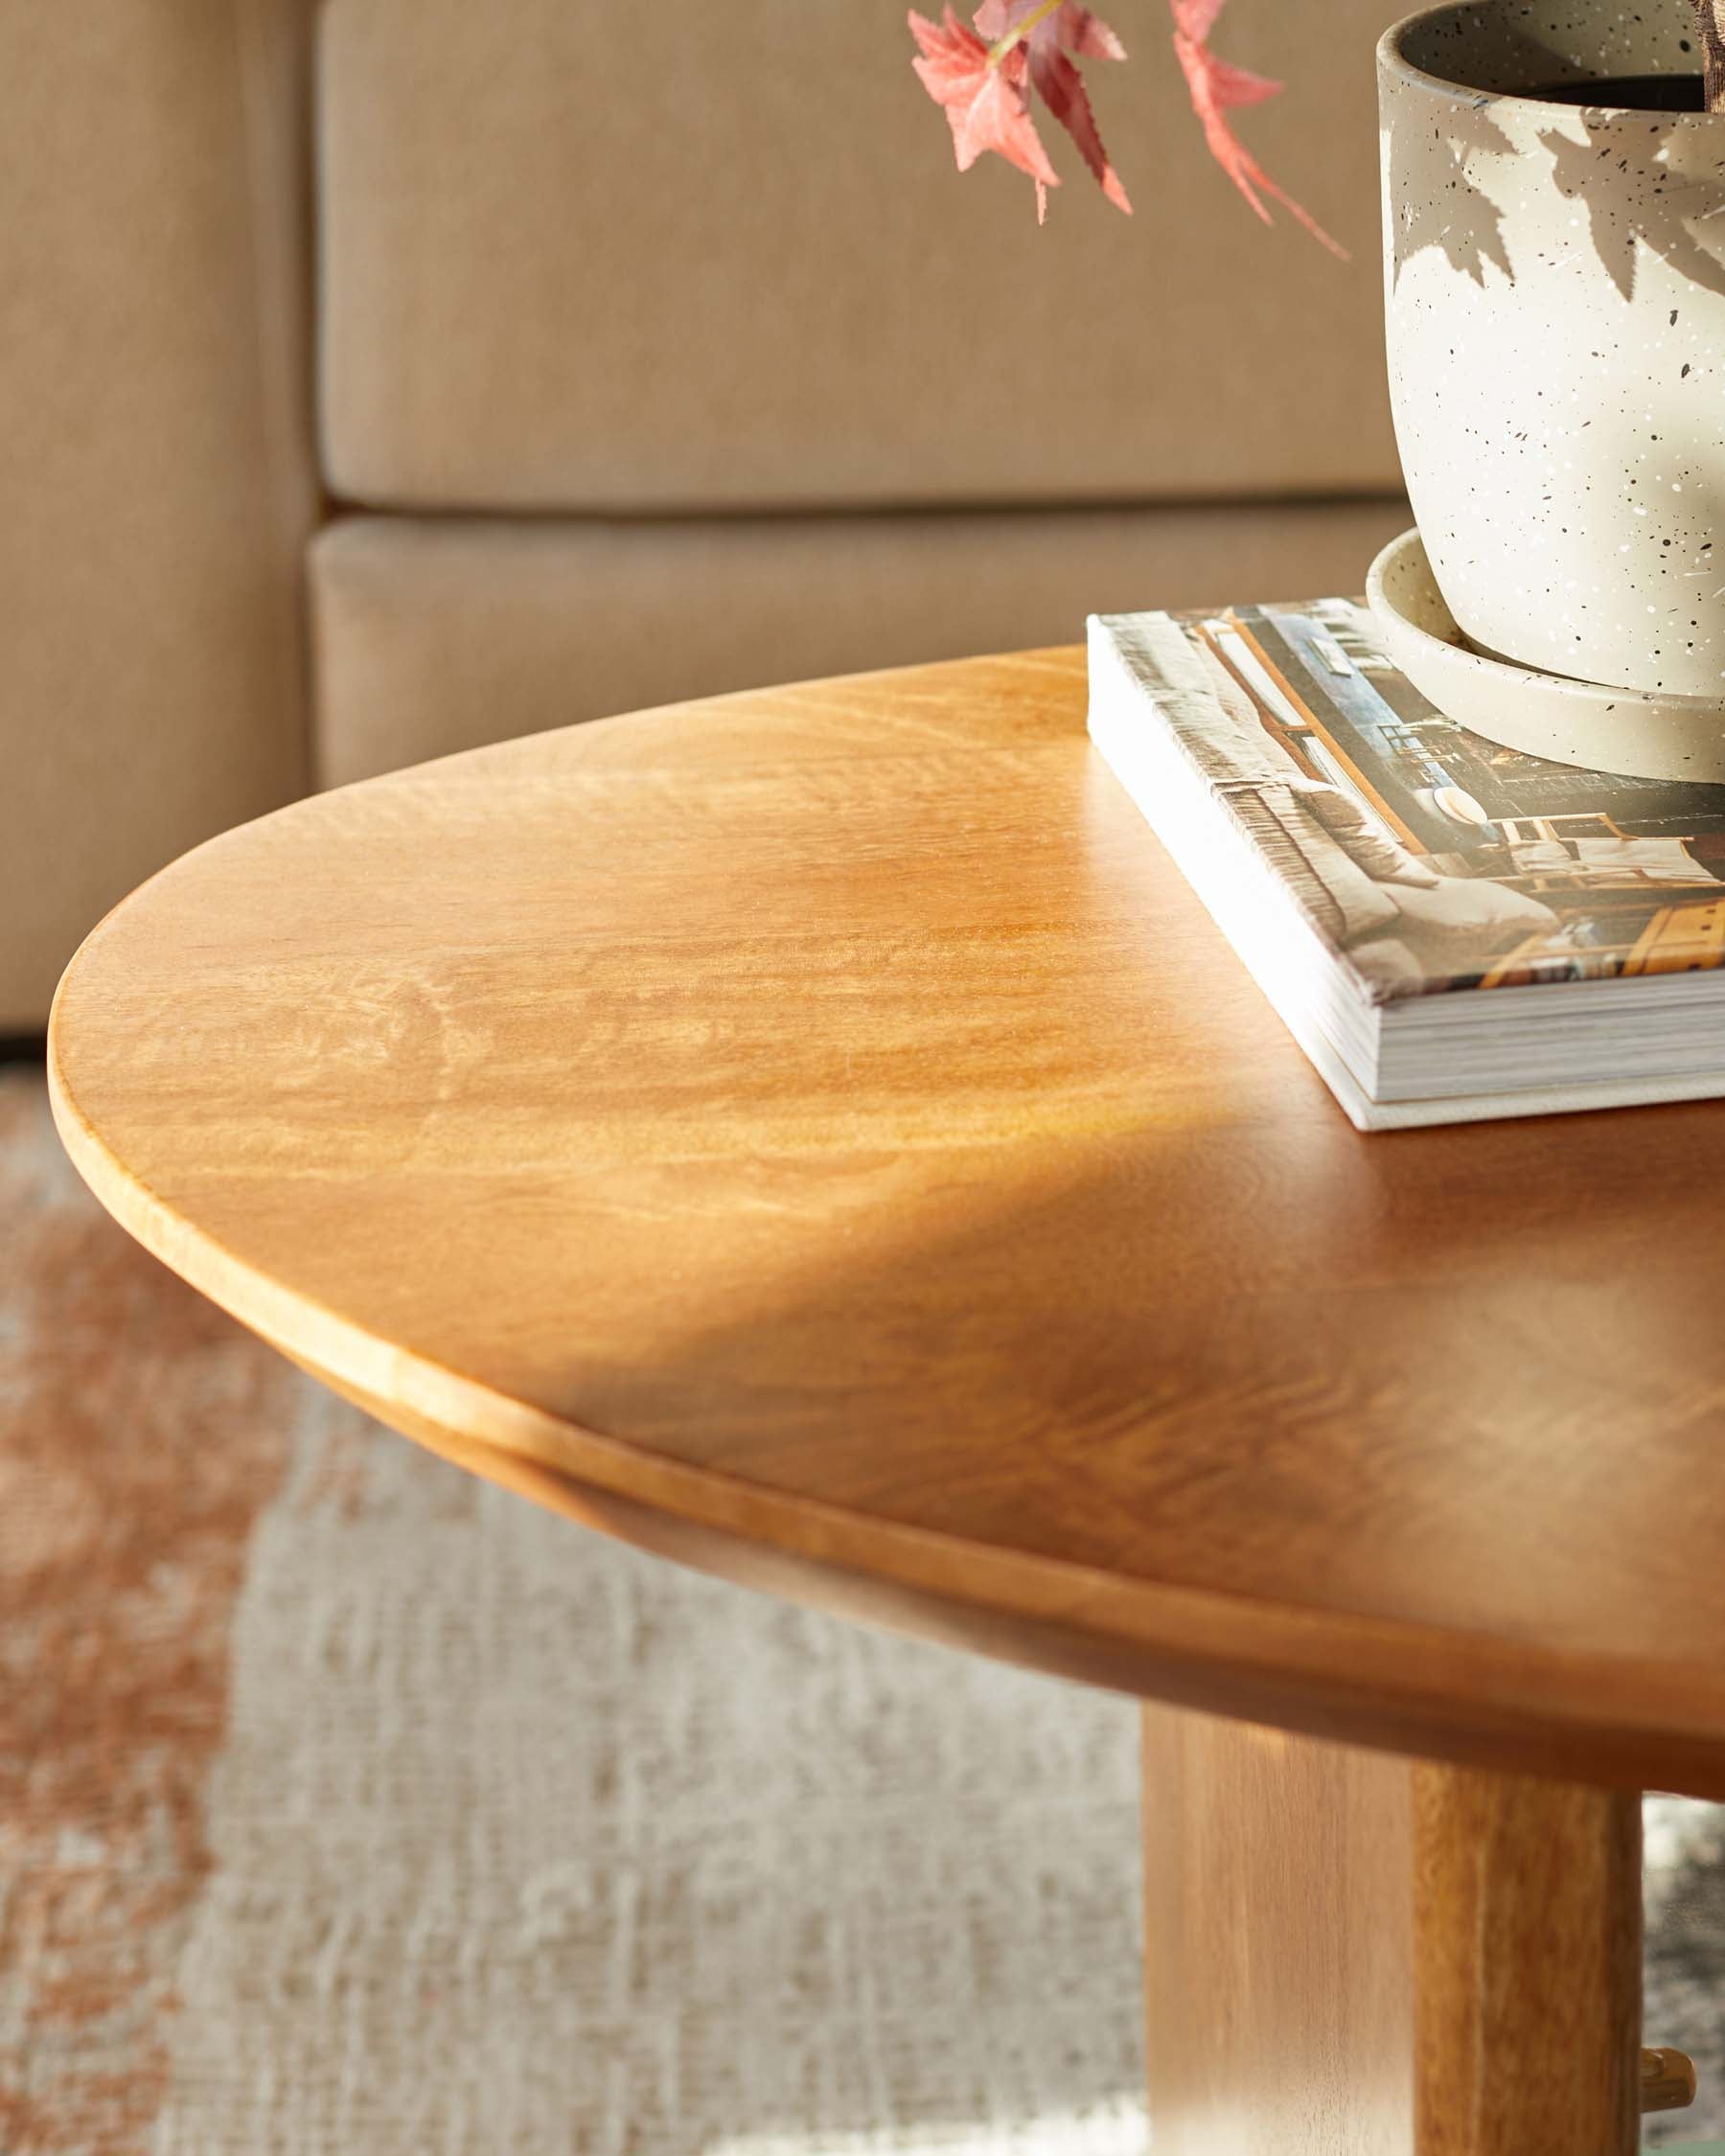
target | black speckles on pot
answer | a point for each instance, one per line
(1556, 298)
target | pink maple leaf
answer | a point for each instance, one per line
(983, 78)
(1196, 18)
(1050, 34)
(1218, 87)
(1048, 26)
(984, 98)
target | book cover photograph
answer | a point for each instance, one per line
(1426, 859)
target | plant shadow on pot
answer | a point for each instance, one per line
(1555, 293)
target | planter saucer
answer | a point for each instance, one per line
(1638, 732)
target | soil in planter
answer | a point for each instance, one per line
(1633, 93)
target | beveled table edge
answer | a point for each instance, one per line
(1522, 1709)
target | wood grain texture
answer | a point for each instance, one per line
(1667, 2080)
(1277, 1943)
(822, 1124)
(1349, 1955)
(1527, 1964)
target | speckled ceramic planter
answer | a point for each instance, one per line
(1555, 281)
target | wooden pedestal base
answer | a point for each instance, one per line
(1348, 1954)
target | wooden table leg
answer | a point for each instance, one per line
(1348, 1954)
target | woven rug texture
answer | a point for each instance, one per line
(350, 1807)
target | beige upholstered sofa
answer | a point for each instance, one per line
(383, 377)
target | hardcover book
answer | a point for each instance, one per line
(1450, 929)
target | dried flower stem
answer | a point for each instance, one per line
(1040, 13)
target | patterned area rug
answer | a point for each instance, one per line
(349, 1808)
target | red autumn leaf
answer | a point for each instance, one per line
(1050, 35)
(1196, 18)
(983, 76)
(1239, 85)
(1217, 88)
(1063, 92)
(1067, 27)
(985, 101)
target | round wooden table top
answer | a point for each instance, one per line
(818, 1135)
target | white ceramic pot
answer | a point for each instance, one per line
(1554, 285)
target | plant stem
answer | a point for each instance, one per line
(1710, 24)
(1043, 8)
